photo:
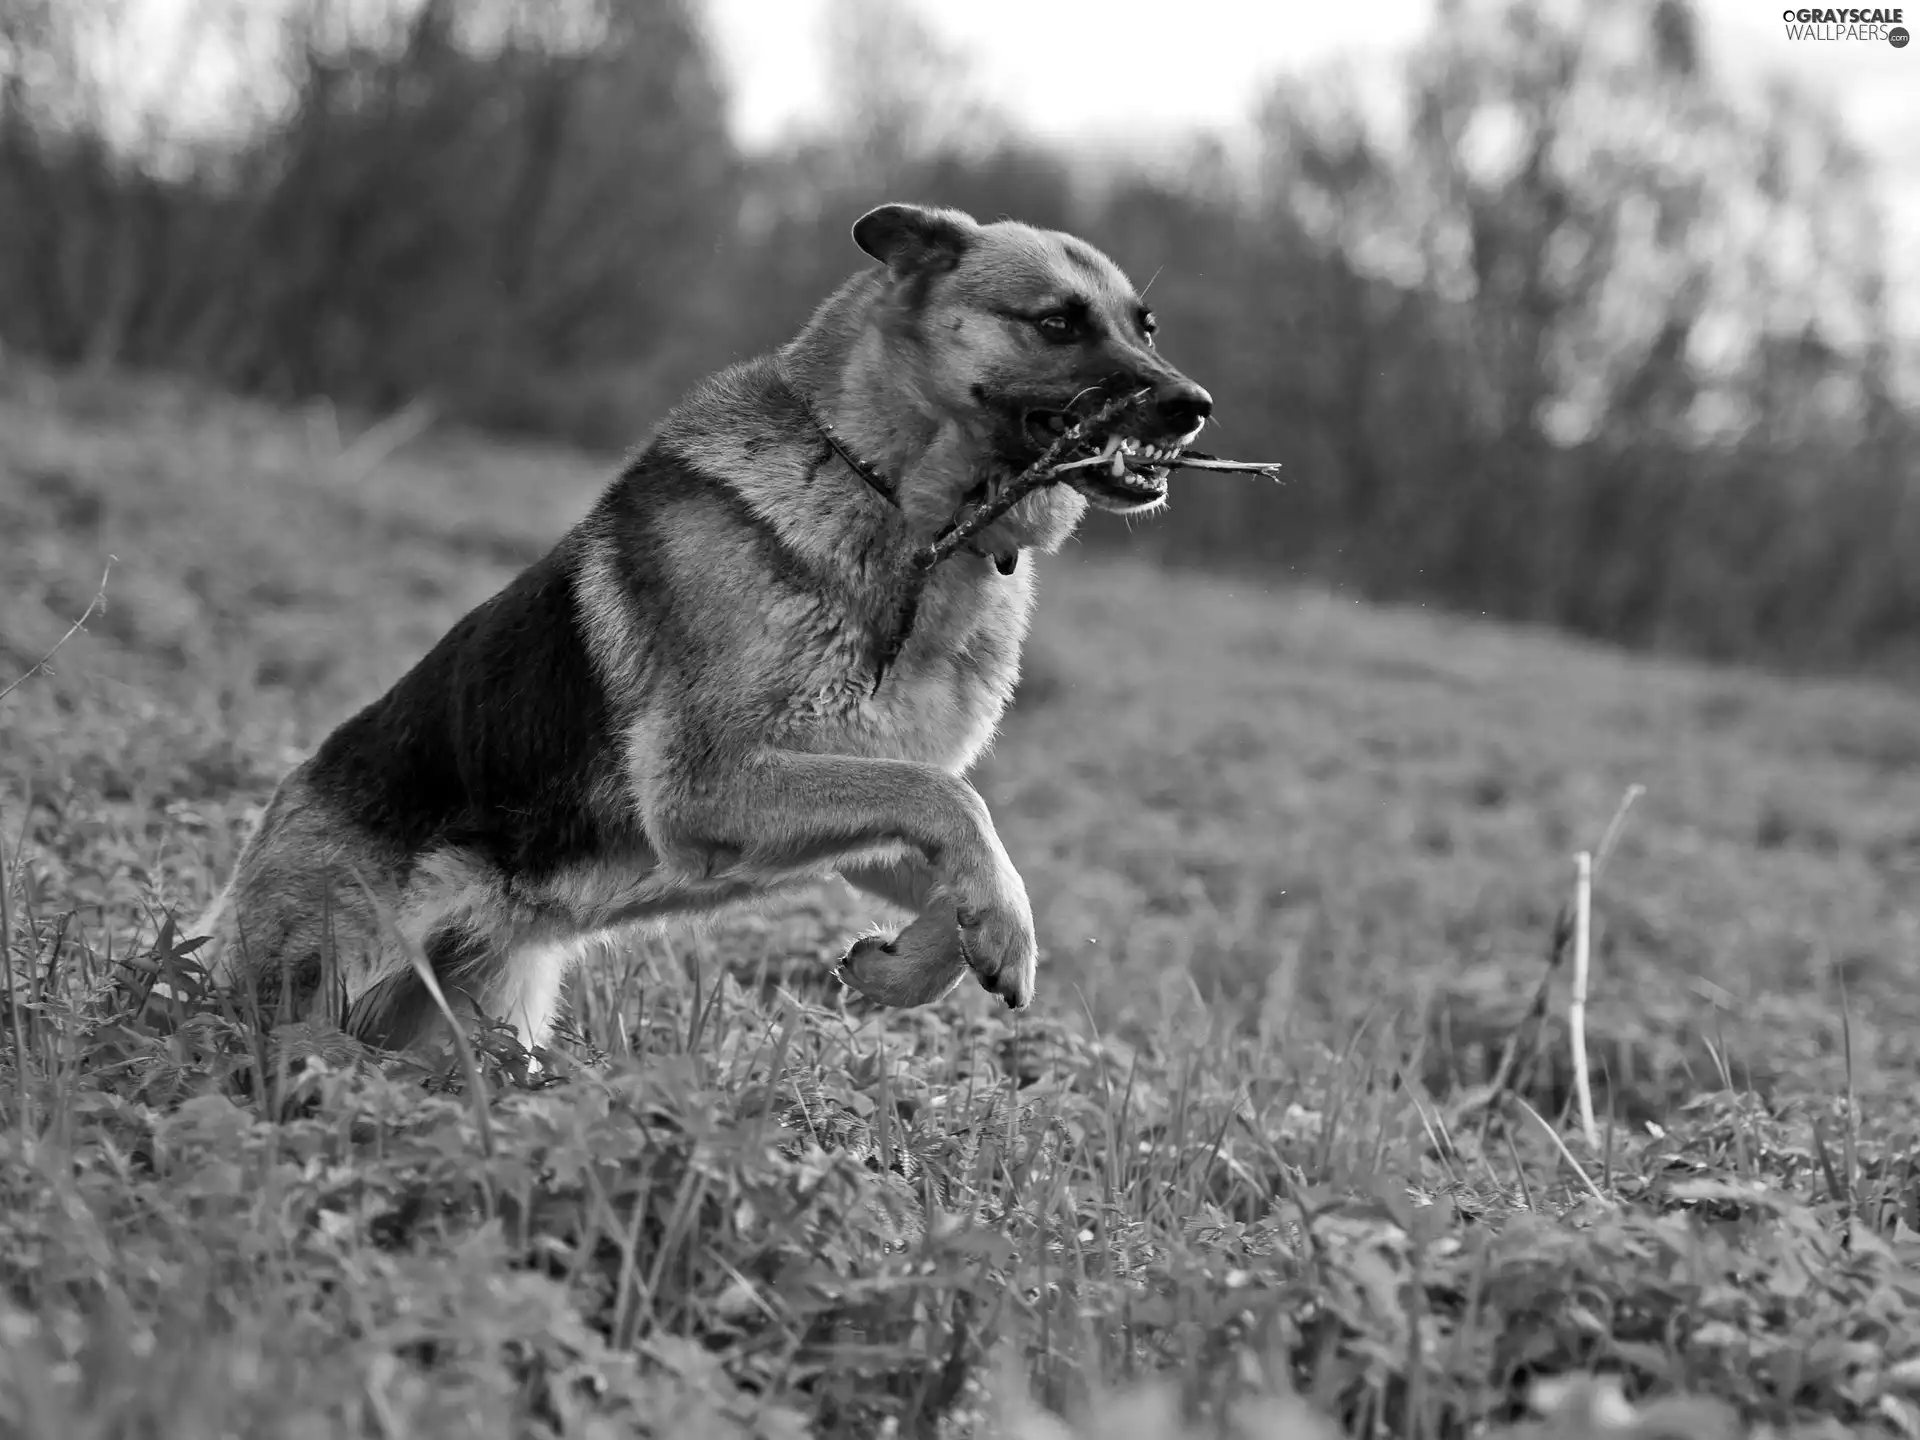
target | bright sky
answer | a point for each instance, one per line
(1068, 68)
(1075, 68)
(1089, 69)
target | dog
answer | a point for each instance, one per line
(698, 698)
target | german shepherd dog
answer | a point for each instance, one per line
(690, 701)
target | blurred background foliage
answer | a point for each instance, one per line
(1558, 331)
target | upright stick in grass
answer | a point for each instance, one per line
(1527, 1032)
(1577, 1008)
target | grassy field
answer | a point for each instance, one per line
(1296, 864)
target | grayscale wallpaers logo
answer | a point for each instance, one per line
(1819, 24)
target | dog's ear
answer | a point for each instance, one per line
(913, 240)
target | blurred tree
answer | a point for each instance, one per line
(1599, 204)
(1545, 325)
(457, 196)
(1809, 266)
(477, 206)
(1504, 308)
(898, 94)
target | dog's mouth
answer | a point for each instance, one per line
(1118, 473)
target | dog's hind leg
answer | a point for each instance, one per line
(398, 1011)
(518, 981)
(526, 991)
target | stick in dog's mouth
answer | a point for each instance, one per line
(1090, 440)
(1119, 457)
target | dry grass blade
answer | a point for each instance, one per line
(95, 606)
(384, 439)
(469, 1062)
(24, 1115)
(1561, 1145)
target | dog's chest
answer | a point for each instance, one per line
(942, 697)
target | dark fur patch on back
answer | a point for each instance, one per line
(492, 743)
(499, 740)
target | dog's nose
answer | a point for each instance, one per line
(1182, 406)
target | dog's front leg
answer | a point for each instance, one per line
(780, 814)
(905, 884)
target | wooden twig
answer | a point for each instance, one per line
(970, 522)
(1043, 472)
(1195, 460)
(97, 605)
(1047, 470)
(1187, 460)
(1577, 1009)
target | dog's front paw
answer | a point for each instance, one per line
(996, 935)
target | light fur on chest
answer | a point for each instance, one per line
(941, 700)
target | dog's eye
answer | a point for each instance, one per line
(1057, 326)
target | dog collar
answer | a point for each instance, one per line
(1005, 561)
(875, 480)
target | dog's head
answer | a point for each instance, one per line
(1017, 332)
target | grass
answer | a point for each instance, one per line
(1296, 864)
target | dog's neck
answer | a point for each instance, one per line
(848, 366)
(863, 381)
(878, 482)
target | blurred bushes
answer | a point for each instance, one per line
(1554, 330)
(506, 207)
